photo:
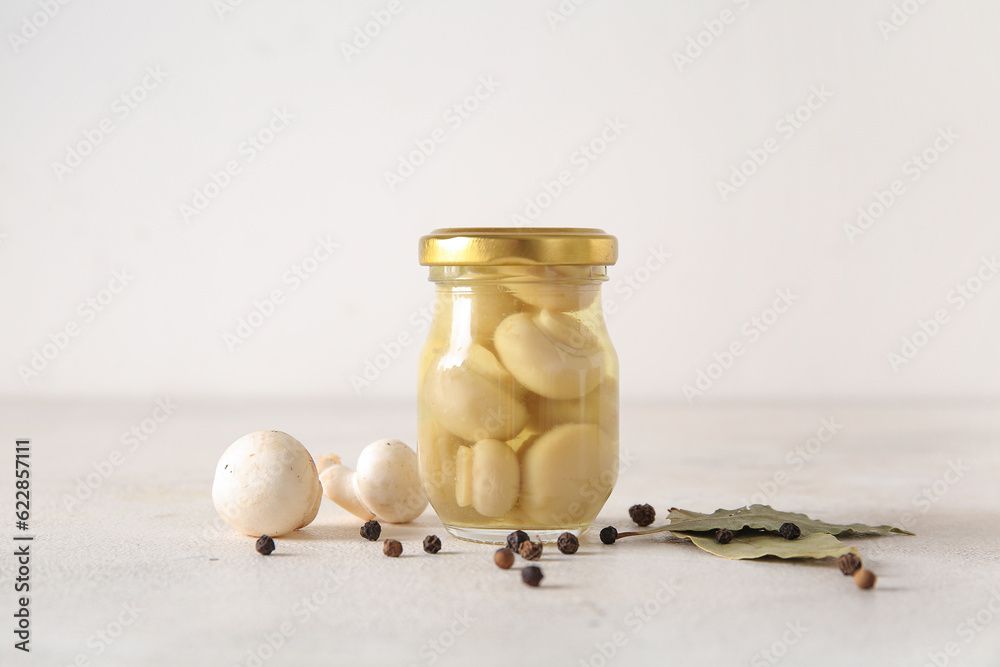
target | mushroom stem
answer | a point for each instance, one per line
(340, 485)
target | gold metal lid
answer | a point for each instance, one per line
(498, 246)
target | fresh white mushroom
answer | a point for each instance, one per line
(552, 354)
(266, 484)
(487, 476)
(386, 483)
(472, 395)
(339, 482)
(567, 474)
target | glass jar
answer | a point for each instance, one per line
(518, 382)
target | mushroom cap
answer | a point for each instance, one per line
(388, 481)
(567, 473)
(266, 484)
(472, 395)
(553, 354)
(556, 288)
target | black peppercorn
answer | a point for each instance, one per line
(849, 563)
(371, 530)
(504, 558)
(392, 548)
(609, 535)
(789, 531)
(531, 550)
(516, 539)
(567, 543)
(432, 544)
(723, 536)
(265, 545)
(643, 515)
(532, 575)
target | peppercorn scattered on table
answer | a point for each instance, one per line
(131, 564)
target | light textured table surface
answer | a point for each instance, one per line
(142, 572)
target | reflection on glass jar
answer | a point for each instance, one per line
(518, 382)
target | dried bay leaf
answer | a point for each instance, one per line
(748, 544)
(765, 517)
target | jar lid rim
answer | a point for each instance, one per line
(495, 246)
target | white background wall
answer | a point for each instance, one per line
(64, 235)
